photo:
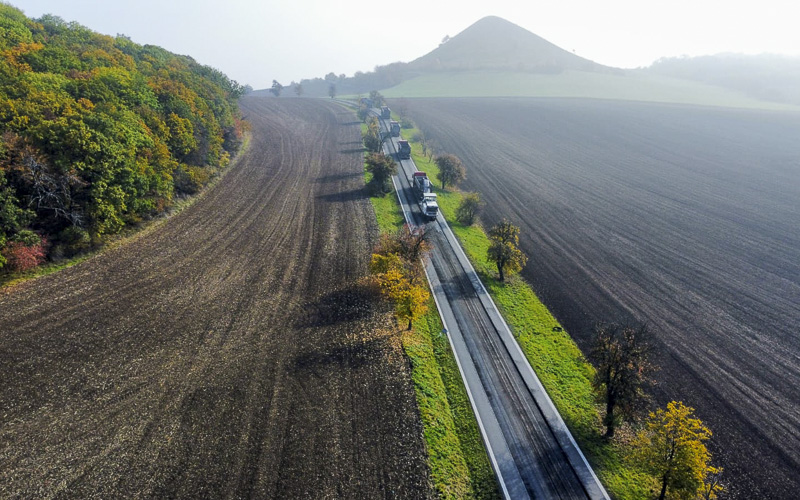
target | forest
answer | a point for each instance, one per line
(98, 133)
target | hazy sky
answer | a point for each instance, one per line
(256, 41)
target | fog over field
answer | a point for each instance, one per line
(685, 217)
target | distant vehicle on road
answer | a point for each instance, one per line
(386, 113)
(403, 150)
(395, 128)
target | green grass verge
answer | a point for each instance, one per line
(632, 86)
(558, 362)
(458, 461)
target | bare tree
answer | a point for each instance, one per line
(621, 355)
(53, 190)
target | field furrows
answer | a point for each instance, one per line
(684, 217)
(226, 354)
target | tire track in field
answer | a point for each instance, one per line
(224, 354)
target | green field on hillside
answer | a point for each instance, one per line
(632, 86)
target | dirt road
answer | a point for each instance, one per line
(684, 217)
(226, 354)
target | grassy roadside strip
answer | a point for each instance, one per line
(459, 465)
(558, 362)
(127, 235)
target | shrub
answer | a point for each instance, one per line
(21, 257)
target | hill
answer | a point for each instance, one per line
(99, 132)
(496, 58)
(493, 43)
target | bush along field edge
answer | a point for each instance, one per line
(457, 458)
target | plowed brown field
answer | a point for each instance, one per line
(226, 354)
(686, 217)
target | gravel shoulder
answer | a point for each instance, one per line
(229, 353)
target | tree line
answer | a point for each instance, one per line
(98, 132)
(669, 443)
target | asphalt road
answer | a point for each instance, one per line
(537, 441)
(229, 353)
(685, 217)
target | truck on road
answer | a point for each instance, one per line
(403, 150)
(386, 113)
(425, 196)
(395, 128)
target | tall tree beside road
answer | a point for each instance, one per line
(397, 269)
(451, 170)
(671, 447)
(382, 168)
(504, 248)
(332, 90)
(373, 140)
(276, 88)
(621, 355)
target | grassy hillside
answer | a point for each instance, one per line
(633, 86)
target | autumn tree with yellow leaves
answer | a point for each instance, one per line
(397, 269)
(671, 447)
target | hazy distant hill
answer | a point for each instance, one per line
(494, 43)
(770, 77)
(496, 58)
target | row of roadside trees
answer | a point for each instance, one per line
(670, 443)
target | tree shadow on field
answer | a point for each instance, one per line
(345, 196)
(351, 143)
(343, 356)
(351, 151)
(336, 177)
(353, 302)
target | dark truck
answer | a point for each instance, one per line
(425, 197)
(386, 113)
(403, 150)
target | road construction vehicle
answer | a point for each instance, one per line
(403, 150)
(426, 198)
(394, 126)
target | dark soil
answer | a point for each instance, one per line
(229, 353)
(685, 217)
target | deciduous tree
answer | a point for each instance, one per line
(276, 88)
(382, 168)
(671, 447)
(332, 90)
(503, 248)
(469, 208)
(451, 170)
(298, 89)
(621, 355)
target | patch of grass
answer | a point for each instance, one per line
(631, 86)
(458, 461)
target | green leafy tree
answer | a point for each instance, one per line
(621, 356)
(672, 448)
(276, 88)
(504, 249)
(469, 208)
(332, 90)
(451, 170)
(373, 140)
(382, 168)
